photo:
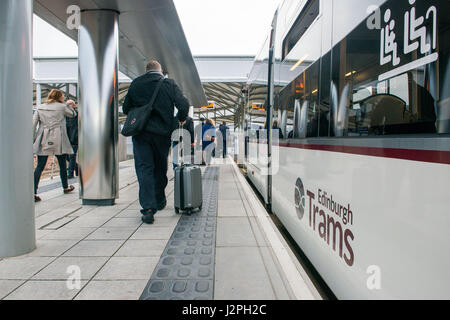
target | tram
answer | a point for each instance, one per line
(358, 98)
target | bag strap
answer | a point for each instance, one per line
(155, 94)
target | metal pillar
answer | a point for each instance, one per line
(98, 105)
(17, 225)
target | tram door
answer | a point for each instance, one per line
(271, 124)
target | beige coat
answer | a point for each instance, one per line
(49, 128)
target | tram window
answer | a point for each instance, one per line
(309, 13)
(324, 99)
(405, 95)
(311, 96)
(300, 99)
(286, 103)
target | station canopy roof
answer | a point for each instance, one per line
(223, 79)
(149, 29)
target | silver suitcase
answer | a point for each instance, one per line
(188, 189)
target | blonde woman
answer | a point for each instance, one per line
(50, 137)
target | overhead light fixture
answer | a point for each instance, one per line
(210, 106)
(350, 73)
(299, 62)
(315, 91)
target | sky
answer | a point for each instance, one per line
(212, 27)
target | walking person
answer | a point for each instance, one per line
(223, 128)
(209, 137)
(275, 127)
(72, 132)
(50, 137)
(198, 133)
(151, 147)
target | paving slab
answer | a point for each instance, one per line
(229, 194)
(241, 275)
(69, 233)
(142, 248)
(88, 222)
(128, 268)
(95, 248)
(164, 220)
(106, 214)
(44, 290)
(129, 213)
(22, 268)
(109, 233)
(51, 248)
(42, 233)
(278, 285)
(8, 286)
(258, 233)
(123, 222)
(58, 269)
(153, 232)
(112, 290)
(109, 211)
(179, 290)
(234, 232)
(231, 208)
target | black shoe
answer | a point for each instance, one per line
(162, 205)
(148, 216)
(69, 189)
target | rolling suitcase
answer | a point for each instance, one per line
(188, 187)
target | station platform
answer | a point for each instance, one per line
(231, 250)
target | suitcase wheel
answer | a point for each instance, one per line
(177, 210)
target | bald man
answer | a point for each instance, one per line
(151, 147)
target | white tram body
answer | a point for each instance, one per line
(362, 101)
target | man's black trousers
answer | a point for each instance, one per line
(151, 154)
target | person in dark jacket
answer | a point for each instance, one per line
(72, 132)
(198, 140)
(209, 137)
(223, 128)
(189, 126)
(275, 127)
(151, 148)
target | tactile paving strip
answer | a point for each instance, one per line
(186, 268)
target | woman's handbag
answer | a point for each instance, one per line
(138, 118)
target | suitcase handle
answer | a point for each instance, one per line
(181, 145)
(182, 186)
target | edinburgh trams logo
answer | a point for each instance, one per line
(300, 198)
(327, 217)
